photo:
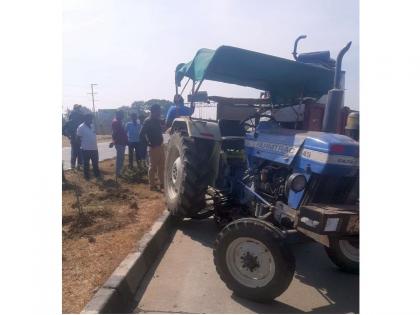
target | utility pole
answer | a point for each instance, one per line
(93, 98)
(93, 106)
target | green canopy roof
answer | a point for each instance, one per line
(285, 79)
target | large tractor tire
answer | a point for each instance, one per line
(187, 176)
(252, 259)
(344, 254)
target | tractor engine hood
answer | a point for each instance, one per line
(318, 152)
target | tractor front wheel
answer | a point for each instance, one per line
(252, 259)
(344, 254)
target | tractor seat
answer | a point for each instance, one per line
(233, 134)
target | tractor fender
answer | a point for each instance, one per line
(197, 128)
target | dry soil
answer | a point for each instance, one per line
(101, 228)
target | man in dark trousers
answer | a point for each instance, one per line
(142, 143)
(152, 132)
(119, 137)
(87, 137)
(133, 131)
(69, 130)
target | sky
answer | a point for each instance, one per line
(130, 48)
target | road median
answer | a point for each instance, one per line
(117, 294)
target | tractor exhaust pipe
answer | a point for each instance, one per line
(340, 56)
(294, 53)
(334, 104)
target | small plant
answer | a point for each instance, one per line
(83, 219)
(78, 193)
(135, 174)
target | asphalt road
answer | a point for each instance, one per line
(184, 280)
(105, 152)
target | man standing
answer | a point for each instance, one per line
(142, 143)
(152, 132)
(177, 110)
(87, 137)
(69, 130)
(120, 140)
(133, 132)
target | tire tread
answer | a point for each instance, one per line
(195, 153)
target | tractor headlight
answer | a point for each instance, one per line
(296, 182)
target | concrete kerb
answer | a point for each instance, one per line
(117, 293)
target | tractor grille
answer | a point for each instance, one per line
(333, 190)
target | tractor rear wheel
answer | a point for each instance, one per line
(344, 254)
(252, 259)
(187, 176)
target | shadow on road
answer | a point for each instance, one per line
(202, 231)
(275, 307)
(313, 268)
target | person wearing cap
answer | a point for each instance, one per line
(177, 110)
(151, 132)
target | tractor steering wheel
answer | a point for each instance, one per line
(254, 122)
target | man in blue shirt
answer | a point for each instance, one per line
(133, 131)
(177, 110)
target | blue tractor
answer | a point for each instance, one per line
(260, 175)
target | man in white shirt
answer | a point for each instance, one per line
(89, 146)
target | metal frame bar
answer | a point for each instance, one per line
(255, 194)
(184, 86)
(192, 93)
(199, 85)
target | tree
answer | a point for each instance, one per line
(84, 110)
(142, 106)
(139, 105)
(164, 104)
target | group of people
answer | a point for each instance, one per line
(128, 135)
(84, 147)
(141, 137)
(138, 136)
